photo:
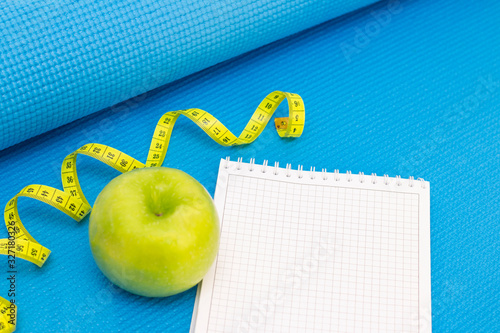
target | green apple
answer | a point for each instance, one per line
(154, 231)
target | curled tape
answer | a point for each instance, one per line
(72, 202)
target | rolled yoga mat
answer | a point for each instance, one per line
(62, 60)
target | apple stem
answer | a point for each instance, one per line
(158, 214)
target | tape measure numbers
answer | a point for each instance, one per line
(220, 134)
(72, 202)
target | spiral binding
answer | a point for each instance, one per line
(337, 176)
(264, 166)
(299, 171)
(276, 168)
(349, 176)
(252, 164)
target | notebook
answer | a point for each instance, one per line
(317, 251)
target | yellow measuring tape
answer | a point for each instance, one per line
(72, 202)
(7, 323)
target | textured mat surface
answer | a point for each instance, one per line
(418, 94)
(62, 60)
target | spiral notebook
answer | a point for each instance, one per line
(317, 251)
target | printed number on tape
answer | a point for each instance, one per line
(71, 201)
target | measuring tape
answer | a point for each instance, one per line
(72, 202)
(6, 323)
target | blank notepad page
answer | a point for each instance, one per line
(317, 252)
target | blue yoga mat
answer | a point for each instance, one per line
(62, 60)
(413, 93)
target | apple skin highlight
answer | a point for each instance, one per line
(154, 231)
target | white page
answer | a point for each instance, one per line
(317, 252)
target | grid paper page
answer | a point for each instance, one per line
(309, 255)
